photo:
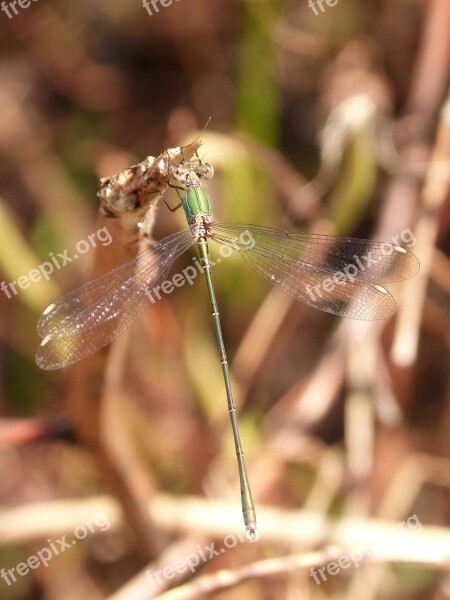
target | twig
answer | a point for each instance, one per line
(32, 522)
(434, 194)
(228, 578)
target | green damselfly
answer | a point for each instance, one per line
(337, 275)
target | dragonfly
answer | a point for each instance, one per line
(340, 276)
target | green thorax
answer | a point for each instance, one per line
(196, 203)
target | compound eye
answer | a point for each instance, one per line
(176, 173)
(209, 171)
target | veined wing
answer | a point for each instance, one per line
(364, 260)
(91, 316)
(312, 268)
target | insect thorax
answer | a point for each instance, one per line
(196, 204)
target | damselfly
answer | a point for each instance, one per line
(337, 275)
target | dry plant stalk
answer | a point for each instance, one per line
(127, 202)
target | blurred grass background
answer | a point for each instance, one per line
(331, 123)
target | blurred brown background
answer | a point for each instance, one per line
(325, 118)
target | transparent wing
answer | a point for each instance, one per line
(373, 261)
(336, 275)
(91, 316)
